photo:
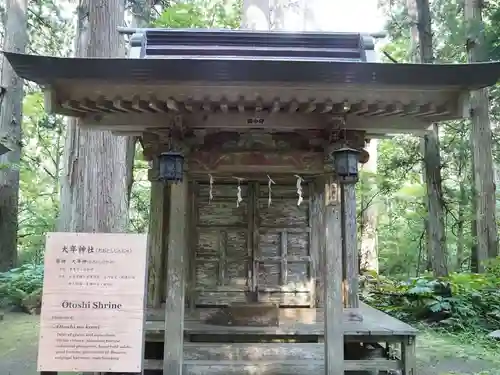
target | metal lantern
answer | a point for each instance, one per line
(346, 163)
(171, 167)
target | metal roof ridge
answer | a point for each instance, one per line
(216, 71)
(152, 57)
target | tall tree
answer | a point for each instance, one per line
(141, 12)
(16, 38)
(481, 140)
(141, 18)
(94, 196)
(369, 212)
(421, 35)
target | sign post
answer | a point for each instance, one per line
(93, 303)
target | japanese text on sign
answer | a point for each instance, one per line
(93, 303)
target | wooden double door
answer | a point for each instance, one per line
(254, 250)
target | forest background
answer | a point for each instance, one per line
(447, 278)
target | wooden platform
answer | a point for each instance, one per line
(293, 321)
(294, 347)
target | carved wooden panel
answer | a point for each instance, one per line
(221, 261)
(203, 162)
(257, 250)
(283, 263)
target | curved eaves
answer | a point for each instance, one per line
(46, 70)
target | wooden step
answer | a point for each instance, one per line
(288, 367)
(286, 315)
(253, 352)
(265, 351)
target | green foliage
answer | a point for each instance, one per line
(22, 287)
(201, 14)
(51, 32)
(140, 195)
(459, 302)
(179, 14)
(402, 242)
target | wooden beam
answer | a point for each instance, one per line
(379, 327)
(283, 258)
(290, 367)
(204, 162)
(176, 279)
(222, 263)
(313, 252)
(145, 121)
(318, 236)
(159, 214)
(267, 92)
(334, 332)
(350, 243)
(378, 134)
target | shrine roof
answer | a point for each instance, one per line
(198, 73)
(228, 56)
(46, 70)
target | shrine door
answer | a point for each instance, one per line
(252, 251)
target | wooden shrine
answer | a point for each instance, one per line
(254, 140)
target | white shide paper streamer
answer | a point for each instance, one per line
(239, 199)
(210, 193)
(299, 189)
(269, 190)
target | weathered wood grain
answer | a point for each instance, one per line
(281, 191)
(221, 190)
(308, 320)
(351, 247)
(221, 263)
(253, 351)
(318, 238)
(303, 299)
(334, 332)
(284, 265)
(313, 253)
(283, 213)
(221, 212)
(251, 161)
(372, 114)
(220, 298)
(192, 245)
(290, 367)
(157, 241)
(176, 279)
(254, 247)
(408, 356)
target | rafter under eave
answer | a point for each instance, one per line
(143, 112)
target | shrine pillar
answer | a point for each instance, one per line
(332, 279)
(176, 279)
(346, 153)
(347, 183)
(340, 273)
(172, 171)
(159, 213)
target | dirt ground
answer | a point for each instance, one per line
(438, 354)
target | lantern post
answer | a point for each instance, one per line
(172, 170)
(346, 161)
